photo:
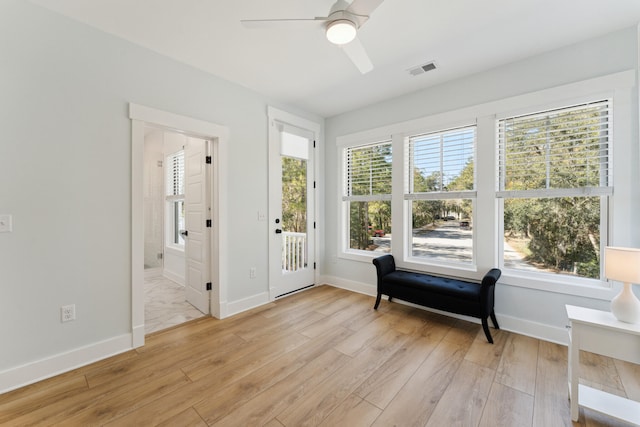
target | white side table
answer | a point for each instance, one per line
(599, 332)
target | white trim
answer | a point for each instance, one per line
(532, 329)
(315, 129)
(175, 122)
(368, 198)
(358, 255)
(350, 285)
(246, 304)
(442, 195)
(293, 120)
(39, 370)
(142, 117)
(555, 192)
(562, 284)
(137, 336)
(137, 232)
(173, 277)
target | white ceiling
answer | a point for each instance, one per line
(298, 66)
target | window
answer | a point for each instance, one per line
(367, 196)
(554, 179)
(440, 193)
(175, 217)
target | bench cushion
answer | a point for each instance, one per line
(434, 285)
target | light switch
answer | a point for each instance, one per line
(5, 224)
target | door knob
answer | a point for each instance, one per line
(278, 231)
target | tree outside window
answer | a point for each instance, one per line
(554, 178)
(440, 194)
(367, 193)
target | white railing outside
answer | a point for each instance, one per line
(294, 251)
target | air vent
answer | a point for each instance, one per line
(421, 69)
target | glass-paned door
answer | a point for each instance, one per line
(292, 256)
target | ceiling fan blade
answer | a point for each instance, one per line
(358, 55)
(281, 23)
(364, 7)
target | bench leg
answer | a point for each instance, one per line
(494, 320)
(389, 298)
(487, 333)
(375, 307)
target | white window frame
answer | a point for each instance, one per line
(620, 87)
(603, 192)
(345, 250)
(170, 202)
(409, 196)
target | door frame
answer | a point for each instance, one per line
(142, 117)
(275, 115)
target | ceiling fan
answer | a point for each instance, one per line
(341, 26)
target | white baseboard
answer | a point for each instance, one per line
(533, 329)
(173, 277)
(349, 285)
(508, 323)
(137, 336)
(30, 373)
(235, 307)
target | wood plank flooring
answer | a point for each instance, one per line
(324, 357)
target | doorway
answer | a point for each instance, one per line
(211, 187)
(292, 200)
(176, 239)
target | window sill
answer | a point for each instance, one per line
(361, 256)
(450, 270)
(589, 289)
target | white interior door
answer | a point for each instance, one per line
(197, 211)
(291, 209)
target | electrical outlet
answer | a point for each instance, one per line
(252, 273)
(68, 313)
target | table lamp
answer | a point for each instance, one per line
(623, 265)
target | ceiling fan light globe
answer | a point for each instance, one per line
(341, 31)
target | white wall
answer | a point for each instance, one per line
(529, 311)
(65, 161)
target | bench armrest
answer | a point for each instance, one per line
(384, 265)
(491, 277)
(488, 288)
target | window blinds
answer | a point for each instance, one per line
(368, 172)
(556, 153)
(175, 174)
(441, 162)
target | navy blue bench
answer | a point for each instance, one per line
(442, 293)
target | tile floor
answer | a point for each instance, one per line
(164, 303)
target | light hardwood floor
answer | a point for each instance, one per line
(324, 357)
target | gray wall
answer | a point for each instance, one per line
(65, 165)
(598, 57)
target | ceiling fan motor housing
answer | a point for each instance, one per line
(341, 31)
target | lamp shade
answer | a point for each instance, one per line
(622, 264)
(341, 31)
